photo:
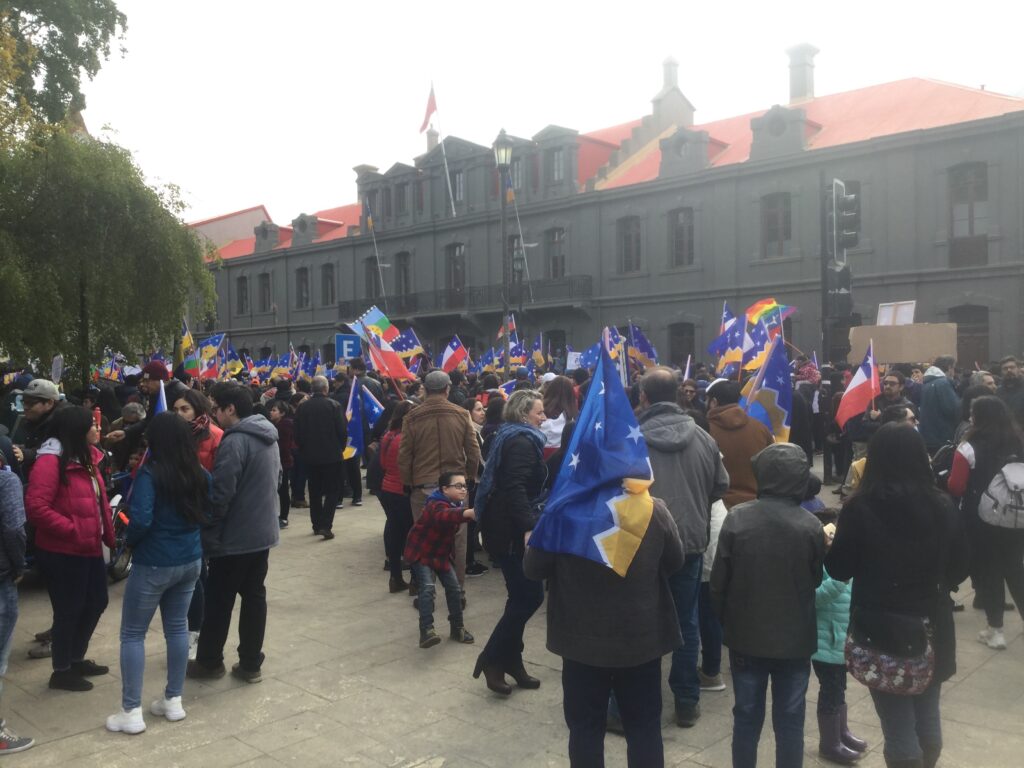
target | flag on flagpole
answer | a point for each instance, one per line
(755, 346)
(209, 351)
(234, 364)
(407, 344)
(354, 443)
(375, 321)
(537, 353)
(189, 359)
(600, 507)
(431, 109)
(161, 400)
(386, 361)
(454, 354)
(686, 373)
(641, 352)
(768, 396)
(863, 388)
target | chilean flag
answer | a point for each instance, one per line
(386, 360)
(453, 355)
(863, 388)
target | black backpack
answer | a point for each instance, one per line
(942, 464)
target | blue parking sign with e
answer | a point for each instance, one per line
(346, 346)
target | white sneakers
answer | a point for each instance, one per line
(193, 645)
(130, 721)
(169, 708)
(127, 721)
(993, 638)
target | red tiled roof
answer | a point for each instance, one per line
(237, 248)
(914, 104)
(592, 155)
(343, 214)
(266, 215)
(614, 135)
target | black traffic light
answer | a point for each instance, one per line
(839, 290)
(842, 214)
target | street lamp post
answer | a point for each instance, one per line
(503, 159)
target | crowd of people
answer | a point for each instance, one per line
(740, 552)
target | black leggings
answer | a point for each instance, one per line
(398, 512)
(284, 497)
(999, 565)
(78, 594)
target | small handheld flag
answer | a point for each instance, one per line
(863, 388)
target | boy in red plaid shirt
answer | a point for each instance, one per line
(429, 550)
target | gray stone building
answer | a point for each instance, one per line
(659, 221)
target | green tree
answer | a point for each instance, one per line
(47, 46)
(90, 255)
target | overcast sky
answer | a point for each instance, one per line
(249, 102)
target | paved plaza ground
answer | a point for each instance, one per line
(346, 685)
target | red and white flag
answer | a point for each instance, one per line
(862, 390)
(431, 109)
(453, 355)
(386, 360)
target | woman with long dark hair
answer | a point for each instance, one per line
(899, 540)
(998, 553)
(67, 504)
(281, 417)
(194, 407)
(512, 482)
(168, 504)
(393, 497)
(560, 408)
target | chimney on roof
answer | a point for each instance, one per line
(432, 136)
(268, 237)
(801, 72)
(671, 67)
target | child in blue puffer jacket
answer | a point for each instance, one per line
(832, 603)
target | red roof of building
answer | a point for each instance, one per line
(263, 208)
(915, 104)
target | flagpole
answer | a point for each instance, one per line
(376, 254)
(444, 154)
(519, 226)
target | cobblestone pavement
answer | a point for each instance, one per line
(346, 684)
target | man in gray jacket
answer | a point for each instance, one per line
(243, 528)
(763, 582)
(689, 476)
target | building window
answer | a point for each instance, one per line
(681, 237)
(458, 188)
(265, 352)
(327, 355)
(418, 191)
(628, 238)
(968, 194)
(776, 225)
(455, 267)
(681, 343)
(555, 165)
(401, 193)
(242, 295)
(516, 171)
(266, 300)
(327, 285)
(554, 257)
(403, 273)
(385, 201)
(371, 278)
(302, 287)
(971, 334)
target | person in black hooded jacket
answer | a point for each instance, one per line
(900, 540)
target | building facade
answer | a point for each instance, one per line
(658, 222)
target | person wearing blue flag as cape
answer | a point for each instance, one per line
(607, 549)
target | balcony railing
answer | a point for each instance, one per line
(476, 298)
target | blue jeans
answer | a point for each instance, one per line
(909, 723)
(8, 618)
(789, 679)
(150, 586)
(710, 633)
(685, 586)
(638, 693)
(525, 596)
(424, 576)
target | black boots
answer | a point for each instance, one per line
(494, 676)
(851, 741)
(831, 745)
(520, 675)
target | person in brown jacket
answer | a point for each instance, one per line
(739, 438)
(438, 437)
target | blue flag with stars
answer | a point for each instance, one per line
(599, 507)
